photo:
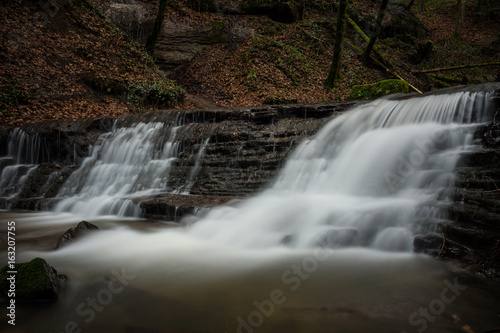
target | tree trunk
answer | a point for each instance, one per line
(460, 18)
(408, 7)
(153, 38)
(376, 32)
(337, 48)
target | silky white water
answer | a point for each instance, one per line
(332, 235)
(126, 162)
(174, 282)
(24, 152)
(364, 180)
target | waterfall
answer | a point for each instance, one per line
(24, 153)
(196, 168)
(126, 163)
(326, 246)
(373, 177)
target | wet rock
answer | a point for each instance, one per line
(72, 234)
(428, 244)
(491, 137)
(174, 207)
(46, 180)
(288, 240)
(34, 281)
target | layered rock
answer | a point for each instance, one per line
(472, 237)
(223, 153)
(180, 42)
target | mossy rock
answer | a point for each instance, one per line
(379, 89)
(34, 281)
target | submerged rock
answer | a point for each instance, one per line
(80, 230)
(34, 281)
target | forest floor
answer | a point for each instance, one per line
(77, 64)
(290, 62)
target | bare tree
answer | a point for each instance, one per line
(333, 74)
(460, 18)
(376, 32)
(153, 38)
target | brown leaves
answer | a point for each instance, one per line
(51, 63)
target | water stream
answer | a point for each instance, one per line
(327, 247)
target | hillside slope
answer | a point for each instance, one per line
(289, 62)
(68, 62)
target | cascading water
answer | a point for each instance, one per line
(302, 256)
(125, 163)
(366, 179)
(24, 153)
(196, 168)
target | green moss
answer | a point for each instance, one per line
(11, 93)
(379, 89)
(159, 93)
(217, 30)
(32, 280)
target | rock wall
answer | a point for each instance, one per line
(180, 42)
(472, 237)
(223, 153)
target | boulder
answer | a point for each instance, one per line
(133, 18)
(179, 42)
(401, 24)
(80, 230)
(34, 281)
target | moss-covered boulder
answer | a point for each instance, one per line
(379, 89)
(279, 11)
(33, 281)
